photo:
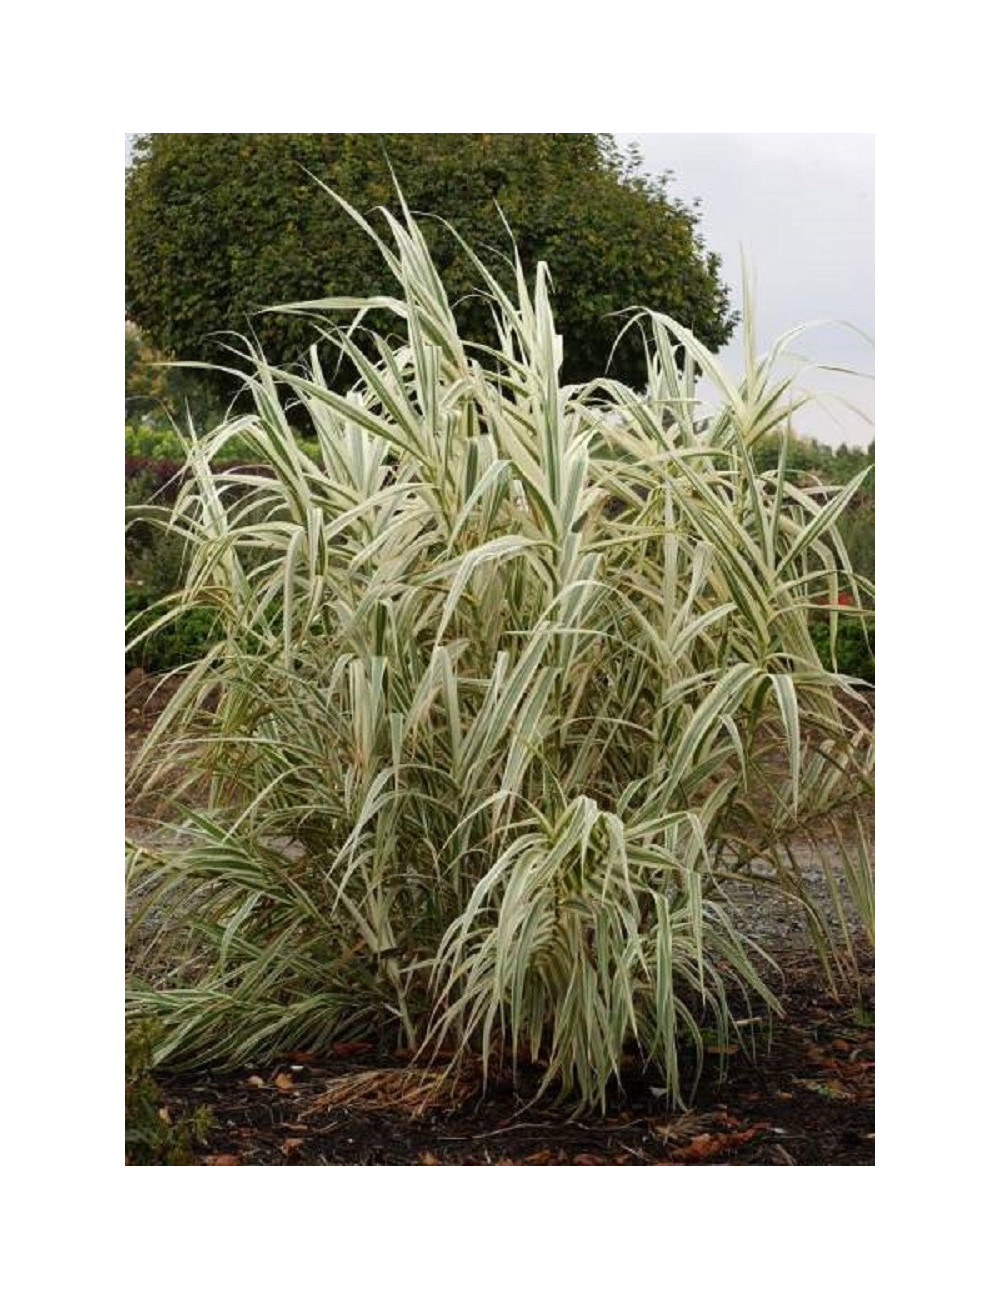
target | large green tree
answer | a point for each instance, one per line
(220, 226)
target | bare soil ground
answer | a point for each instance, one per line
(802, 1094)
(809, 1100)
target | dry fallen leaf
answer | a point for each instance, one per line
(350, 1049)
(706, 1145)
(224, 1159)
(291, 1144)
(255, 1081)
(429, 1158)
(284, 1081)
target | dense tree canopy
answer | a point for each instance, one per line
(157, 394)
(220, 226)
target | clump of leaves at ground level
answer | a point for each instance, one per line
(153, 1136)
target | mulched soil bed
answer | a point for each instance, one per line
(810, 1100)
(806, 1098)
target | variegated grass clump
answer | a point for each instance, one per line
(510, 679)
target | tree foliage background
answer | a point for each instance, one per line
(221, 226)
(158, 394)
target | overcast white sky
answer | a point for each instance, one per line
(803, 209)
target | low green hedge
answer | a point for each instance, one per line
(162, 443)
(855, 648)
(185, 639)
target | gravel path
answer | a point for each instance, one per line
(777, 922)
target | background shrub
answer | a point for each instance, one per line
(150, 445)
(152, 1135)
(221, 226)
(184, 640)
(855, 647)
(156, 394)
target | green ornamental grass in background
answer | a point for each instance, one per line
(508, 681)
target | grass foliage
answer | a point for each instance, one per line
(509, 679)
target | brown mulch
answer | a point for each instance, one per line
(810, 1100)
(805, 1097)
